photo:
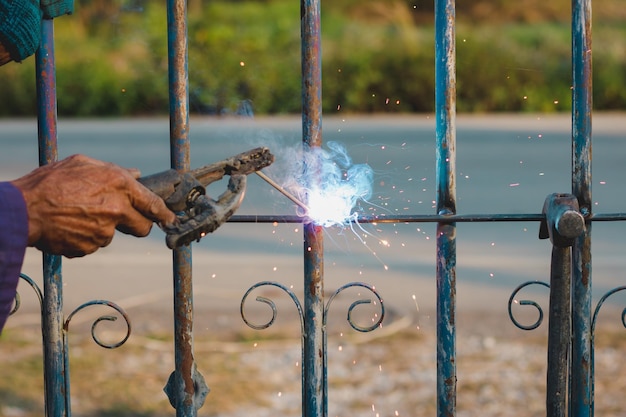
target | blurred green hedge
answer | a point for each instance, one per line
(378, 56)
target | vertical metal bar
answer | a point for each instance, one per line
(314, 399)
(581, 366)
(445, 108)
(52, 320)
(314, 390)
(559, 332)
(183, 388)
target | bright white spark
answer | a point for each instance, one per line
(340, 185)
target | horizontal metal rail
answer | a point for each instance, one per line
(423, 218)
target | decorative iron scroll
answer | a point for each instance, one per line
(60, 386)
(34, 286)
(599, 305)
(376, 324)
(512, 300)
(100, 319)
(593, 332)
(271, 304)
(66, 324)
(293, 296)
(314, 368)
(540, 310)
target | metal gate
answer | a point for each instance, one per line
(566, 221)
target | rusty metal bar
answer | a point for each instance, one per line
(314, 390)
(56, 380)
(185, 388)
(581, 394)
(445, 115)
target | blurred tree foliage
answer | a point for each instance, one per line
(378, 56)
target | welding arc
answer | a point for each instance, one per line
(282, 190)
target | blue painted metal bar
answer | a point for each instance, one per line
(186, 389)
(314, 391)
(581, 395)
(56, 380)
(445, 115)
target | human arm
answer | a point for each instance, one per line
(71, 208)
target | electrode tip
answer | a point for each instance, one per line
(282, 190)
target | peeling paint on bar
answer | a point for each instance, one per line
(186, 388)
(581, 391)
(314, 402)
(56, 377)
(445, 116)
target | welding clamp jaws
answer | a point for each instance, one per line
(185, 194)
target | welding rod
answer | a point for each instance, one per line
(282, 190)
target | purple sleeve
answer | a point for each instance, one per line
(13, 242)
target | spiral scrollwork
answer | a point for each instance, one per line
(363, 329)
(351, 309)
(34, 286)
(513, 300)
(599, 306)
(271, 304)
(94, 335)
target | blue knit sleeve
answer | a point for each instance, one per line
(13, 242)
(20, 23)
(56, 8)
(20, 27)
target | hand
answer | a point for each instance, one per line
(75, 205)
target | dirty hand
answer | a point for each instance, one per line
(75, 205)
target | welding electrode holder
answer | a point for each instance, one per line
(197, 213)
(185, 194)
